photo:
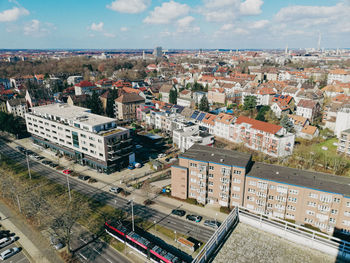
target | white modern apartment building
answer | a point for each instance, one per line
(90, 139)
(189, 135)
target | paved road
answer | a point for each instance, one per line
(172, 222)
(17, 258)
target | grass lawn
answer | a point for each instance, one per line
(332, 149)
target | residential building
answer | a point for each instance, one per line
(342, 122)
(158, 52)
(344, 142)
(84, 87)
(209, 175)
(88, 138)
(17, 107)
(223, 127)
(340, 75)
(264, 137)
(308, 109)
(125, 106)
(72, 80)
(229, 178)
(189, 135)
(164, 92)
(309, 132)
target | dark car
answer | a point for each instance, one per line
(21, 149)
(47, 162)
(53, 165)
(84, 177)
(212, 223)
(178, 212)
(194, 218)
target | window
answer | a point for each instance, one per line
(91, 138)
(313, 195)
(336, 200)
(235, 196)
(251, 190)
(310, 213)
(236, 180)
(332, 220)
(334, 211)
(292, 199)
(253, 183)
(77, 125)
(211, 175)
(347, 204)
(92, 145)
(75, 139)
(237, 172)
(210, 183)
(293, 191)
(347, 213)
(282, 189)
(193, 164)
(193, 173)
(236, 188)
(211, 167)
(270, 197)
(312, 204)
(210, 190)
(326, 198)
(262, 185)
(250, 198)
(83, 135)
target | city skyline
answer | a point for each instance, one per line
(140, 24)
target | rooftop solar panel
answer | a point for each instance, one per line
(201, 116)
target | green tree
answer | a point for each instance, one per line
(262, 112)
(94, 104)
(204, 104)
(249, 103)
(286, 123)
(173, 96)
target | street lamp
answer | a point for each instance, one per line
(30, 175)
(175, 234)
(132, 214)
(70, 197)
(155, 225)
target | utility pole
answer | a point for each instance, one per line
(19, 204)
(132, 214)
(70, 197)
(30, 175)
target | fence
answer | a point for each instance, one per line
(296, 233)
(216, 239)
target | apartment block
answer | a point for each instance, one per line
(264, 137)
(210, 175)
(344, 142)
(229, 178)
(90, 139)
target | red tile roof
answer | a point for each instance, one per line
(259, 125)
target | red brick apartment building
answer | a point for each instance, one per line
(230, 178)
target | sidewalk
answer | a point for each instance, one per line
(36, 246)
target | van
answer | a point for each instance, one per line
(6, 241)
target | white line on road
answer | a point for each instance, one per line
(83, 256)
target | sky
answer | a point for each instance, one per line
(174, 24)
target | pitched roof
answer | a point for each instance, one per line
(298, 120)
(209, 119)
(259, 125)
(129, 97)
(309, 129)
(224, 118)
(166, 88)
(85, 83)
(307, 104)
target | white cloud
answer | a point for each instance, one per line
(13, 14)
(184, 25)
(124, 29)
(185, 22)
(258, 24)
(166, 13)
(37, 29)
(129, 6)
(96, 27)
(251, 7)
(229, 10)
(227, 27)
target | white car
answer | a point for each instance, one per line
(9, 253)
(6, 241)
(161, 155)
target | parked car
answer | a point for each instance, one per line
(47, 162)
(53, 165)
(67, 171)
(161, 155)
(194, 218)
(138, 165)
(138, 146)
(178, 212)
(9, 253)
(116, 190)
(21, 149)
(212, 223)
(6, 241)
(84, 177)
(167, 160)
(56, 243)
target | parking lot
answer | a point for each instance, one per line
(18, 257)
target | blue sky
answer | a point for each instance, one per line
(174, 24)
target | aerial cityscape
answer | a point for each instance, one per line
(175, 131)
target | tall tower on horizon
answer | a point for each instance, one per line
(286, 50)
(319, 41)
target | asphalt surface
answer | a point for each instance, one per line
(19, 257)
(169, 221)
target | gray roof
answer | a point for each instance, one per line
(309, 179)
(216, 155)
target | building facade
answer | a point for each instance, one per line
(125, 106)
(88, 138)
(229, 178)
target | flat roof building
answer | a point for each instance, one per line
(91, 139)
(229, 178)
